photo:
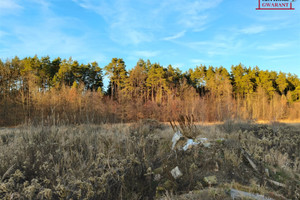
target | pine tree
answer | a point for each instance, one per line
(117, 74)
(282, 83)
(198, 76)
(136, 83)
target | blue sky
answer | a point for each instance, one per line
(181, 33)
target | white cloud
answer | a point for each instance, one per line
(9, 7)
(43, 3)
(126, 24)
(129, 36)
(2, 33)
(194, 22)
(176, 36)
(198, 61)
(178, 65)
(48, 34)
(137, 22)
(254, 29)
(43, 40)
(275, 46)
(9, 4)
(46, 37)
(200, 5)
(146, 54)
(277, 57)
(217, 46)
(193, 14)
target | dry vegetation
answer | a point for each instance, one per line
(134, 162)
(37, 90)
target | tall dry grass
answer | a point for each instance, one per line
(134, 161)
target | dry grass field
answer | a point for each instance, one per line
(135, 161)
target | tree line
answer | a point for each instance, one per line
(41, 90)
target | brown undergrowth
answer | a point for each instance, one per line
(135, 161)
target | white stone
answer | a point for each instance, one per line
(176, 173)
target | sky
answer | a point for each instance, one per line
(183, 33)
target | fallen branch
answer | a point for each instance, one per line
(276, 183)
(8, 172)
(253, 165)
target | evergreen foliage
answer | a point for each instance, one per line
(148, 90)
